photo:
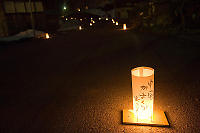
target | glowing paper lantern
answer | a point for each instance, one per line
(79, 9)
(106, 18)
(93, 22)
(143, 112)
(124, 26)
(117, 23)
(143, 92)
(90, 24)
(99, 18)
(113, 21)
(66, 19)
(81, 19)
(47, 36)
(80, 28)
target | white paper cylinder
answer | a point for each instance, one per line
(143, 93)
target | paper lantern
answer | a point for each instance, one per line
(80, 28)
(66, 19)
(79, 9)
(81, 19)
(124, 26)
(47, 36)
(106, 18)
(99, 18)
(113, 21)
(90, 24)
(143, 112)
(117, 23)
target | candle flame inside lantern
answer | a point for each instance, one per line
(124, 26)
(143, 93)
(80, 28)
(47, 36)
(117, 23)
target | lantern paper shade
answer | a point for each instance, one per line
(124, 26)
(47, 36)
(143, 93)
(143, 112)
(117, 23)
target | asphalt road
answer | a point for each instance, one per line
(80, 82)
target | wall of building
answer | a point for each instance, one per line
(3, 24)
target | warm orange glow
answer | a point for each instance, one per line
(117, 23)
(124, 26)
(106, 18)
(79, 9)
(81, 19)
(113, 21)
(47, 36)
(80, 28)
(143, 93)
(90, 24)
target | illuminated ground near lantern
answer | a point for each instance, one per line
(159, 119)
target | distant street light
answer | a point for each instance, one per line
(65, 8)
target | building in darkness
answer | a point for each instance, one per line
(15, 15)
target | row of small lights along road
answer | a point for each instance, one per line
(93, 22)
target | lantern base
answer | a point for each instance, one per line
(159, 119)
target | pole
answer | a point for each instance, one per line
(32, 20)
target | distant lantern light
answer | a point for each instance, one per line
(47, 36)
(91, 18)
(106, 18)
(86, 7)
(143, 112)
(81, 19)
(93, 22)
(79, 9)
(124, 27)
(66, 19)
(72, 18)
(117, 23)
(90, 24)
(80, 28)
(99, 18)
(113, 21)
